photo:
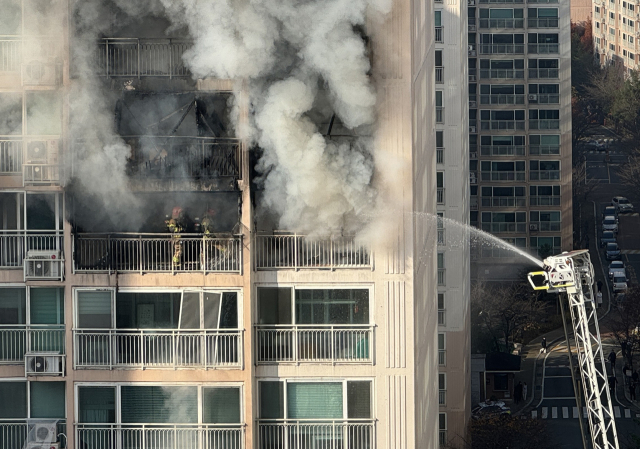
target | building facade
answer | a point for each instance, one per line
(199, 325)
(615, 33)
(520, 129)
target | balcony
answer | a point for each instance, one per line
(13, 434)
(41, 174)
(502, 176)
(545, 226)
(505, 228)
(502, 99)
(544, 201)
(340, 343)
(156, 253)
(17, 246)
(441, 237)
(442, 397)
(439, 114)
(543, 22)
(502, 23)
(544, 124)
(42, 170)
(440, 195)
(154, 436)
(17, 339)
(544, 175)
(439, 35)
(502, 150)
(545, 98)
(543, 73)
(295, 251)
(44, 67)
(131, 57)
(10, 155)
(442, 437)
(441, 317)
(157, 348)
(442, 357)
(502, 49)
(543, 49)
(501, 74)
(439, 75)
(503, 201)
(501, 124)
(439, 155)
(442, 276)
(320, 434)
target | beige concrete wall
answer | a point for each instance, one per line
(580, 10)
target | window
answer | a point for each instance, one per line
(440, 187)
(442, 429)
(502, 145)
(544, 170)
(546, 246)
(441, 309)
(442, 387)
(44, 113)
(543, 68)
(504, 222)
(544, 119)
(544, 93)
(501, 119)
(500, 382)
(543, 17)
(315, 400)
(442, 349)
(545, 220)
(44, 400)
(502, 171)
(503, 196)
(439, 68)
(501, 68)
(544, 195)
(501, 94)
(497, 251)
(439, 147)
(544, 144)
(438, 18)
(441, 270)
(502, 43)
(543, 43)
(501, 18)
(439, 107)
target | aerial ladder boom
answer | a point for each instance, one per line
(572, 273)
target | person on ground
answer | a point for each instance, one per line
(612, 385)
(599, 299)
(524, 392)
(543, 345)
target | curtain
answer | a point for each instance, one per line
(94, 309)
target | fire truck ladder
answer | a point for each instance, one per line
(572, 273)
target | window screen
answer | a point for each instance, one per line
(221, 405)
(96, 404)
(94, 309)
(46, 305)
(155, 404)
(47, 400)
(314, 400)
(359, 399)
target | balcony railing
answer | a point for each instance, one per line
(156, 253)
(14, 51)
(336, 343)
(544, 175)
(13, 434)
(543, 22)
(320, 434)
(501, 23)
(502, 176)
(505, 228)
(131, 57)
(154, 436)
(442, 317)
(503, 201)
(547, 99)
(546, 226)
(501, 74)
(442, 397)
(502, 49)
(439, 155)
(502, 99)
(544, 124)
(10, 155)
(440, 195)
(543, 49)
(290, 250)
(501, 124)
(39, 174)
(16, 245)
(442, 357)
(544, 201)
(502, 150)
(442, 276)
(157, 348)
(543, 73)
(439, 35)
(442, 437)
(439, 75)
(439, 114)
(18, 339)
(441, 237)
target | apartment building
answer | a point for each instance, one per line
(452, 162)
(189, 321)
(520, 129)
(615, 33)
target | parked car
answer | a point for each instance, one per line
(612, 251)
(610, 223)
(619, 283)
(609, 210)
(617, 268)
(489, 409)
(622, 204)
(607, 237)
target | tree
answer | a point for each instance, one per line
(630, 172)
(506, 431)
(624, 325)
(505, 310)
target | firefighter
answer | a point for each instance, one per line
(176, 224)
(207, 223)
(218, 248)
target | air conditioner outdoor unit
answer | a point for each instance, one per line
(533, 97)
(533, 227)
(44, 364)
(40, 73)
(42, 152)
(472, 129)
(43, 264)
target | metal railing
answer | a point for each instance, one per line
(502, 176)
(502, 150)
(441, 237)
(543, 73)
(290, 250)
(503, 201)
(442, 317)
(157, 348)
(156, 253)
(442, 397)
(502, 124)
(502, 49)
(439, 75)
(155, 436)
(543, 49)
(442, 437)
(507, 228)
(10, 54)
(442, 276)
(132, 57)
(299, 343)
(543, 22)
(501, 23)
(439, 155)
(15, 245)
(10, 156)
(317, 434)
(34, 174)
(18, 339)
(439, 114)
(544, 175)
(440, 195)
(501, 74)
(439, 35)
(442, 357)
(502, 99)
(546, 226)
(547, 98)
(544, 124)
(13, 434)
(544, 201)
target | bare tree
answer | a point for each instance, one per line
(630, 172)
(582, 184)
(506, 431)
(506, 310)
(624, 325)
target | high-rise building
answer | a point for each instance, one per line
(520, 130)
(147, 301)
(615, 33)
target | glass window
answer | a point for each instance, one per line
(438, 18)
(147, 310)
(10, 106)
(94, 309)
(439, 139)
(500, 382)
(46, 305)
(314, 400)
(96, 405)
(438, 98)
(14, 393)
(440, 261)
(359, 400)
(332, 306)
(13, 306)
(441, 342)
(44, 113)
(274, 305)
(440, 180)
(272, 400)
(221, 405)
(440, 301)
(47, 399)
(159, 404)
